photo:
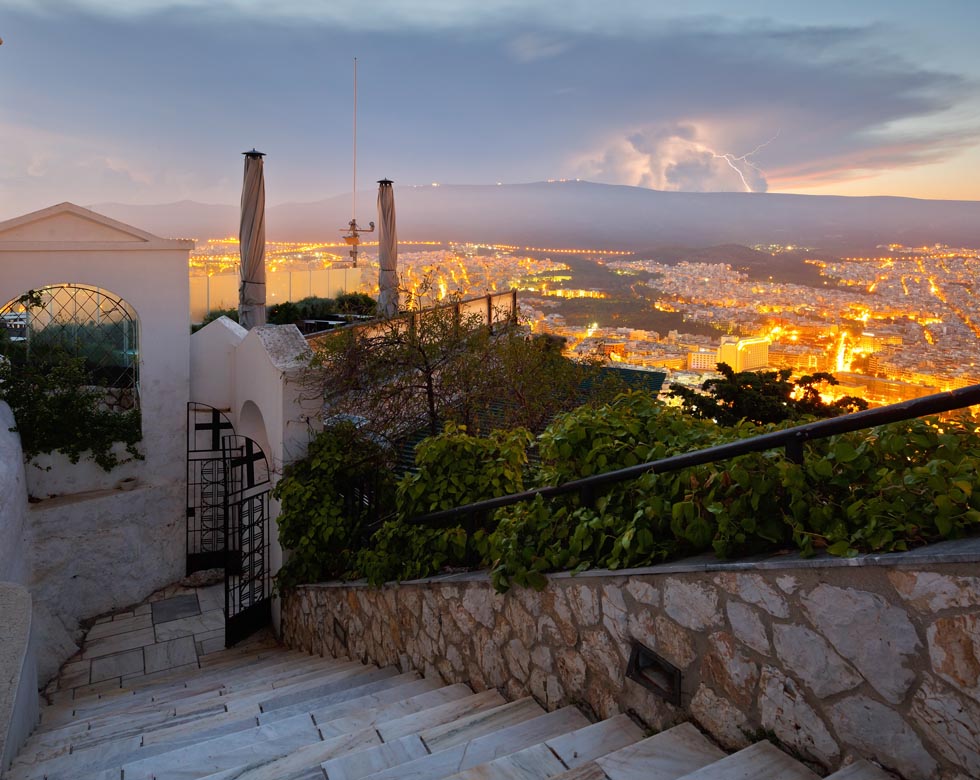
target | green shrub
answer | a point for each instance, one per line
(57, 409)
(453, 469)
(884, 489)
(318, 521)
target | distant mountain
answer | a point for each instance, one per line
(585, 214)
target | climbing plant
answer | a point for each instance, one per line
(58, 402)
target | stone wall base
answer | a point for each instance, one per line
(837, 661)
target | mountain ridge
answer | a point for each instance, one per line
(587, 214)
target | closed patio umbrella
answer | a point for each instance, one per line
(251, 236)
(387, 251)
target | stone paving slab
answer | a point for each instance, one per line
(175, 608)
(167, 655)
(128, 662)
(173, 629)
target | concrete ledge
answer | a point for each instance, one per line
(19, 706)
(954, 551)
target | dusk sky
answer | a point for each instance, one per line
(151, 101)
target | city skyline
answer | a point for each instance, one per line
(151, 102)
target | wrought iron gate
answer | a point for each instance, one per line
(205, 487)
(228, 517)
(248, 585)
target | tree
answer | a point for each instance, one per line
(762, 397)
(439, 364)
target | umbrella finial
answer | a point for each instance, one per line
(385, 182)
(254, 153)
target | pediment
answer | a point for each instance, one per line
(67, 223)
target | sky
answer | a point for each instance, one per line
(152, 101)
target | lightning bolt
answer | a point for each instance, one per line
(731, 159)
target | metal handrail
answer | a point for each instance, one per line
(488, 300)
(791, 438)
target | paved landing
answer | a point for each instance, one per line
(173, 628)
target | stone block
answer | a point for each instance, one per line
(954, 651)
(949, 722)
(747, 626)
(875, 636)
(879, 732)
(813, 660)
(692, 604)
(726, 669)
(720, 718)
(783, 709)
(754, 589)
(930, 592)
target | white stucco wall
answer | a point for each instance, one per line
(270, 365)
(14, 540)
(213, 363)
(67, 244)
(97, 548)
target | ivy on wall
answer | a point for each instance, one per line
(58, 405)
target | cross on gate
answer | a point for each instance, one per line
(248, 460)
(216, 426)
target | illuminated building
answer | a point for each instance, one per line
(702, 360)
(744, 354)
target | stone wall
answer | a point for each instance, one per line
(877, 657)
(14, 544)
(97, 552)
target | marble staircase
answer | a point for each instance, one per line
(259, 712)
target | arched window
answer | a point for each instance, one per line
(89, 325)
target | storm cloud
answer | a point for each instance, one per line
(152, 100)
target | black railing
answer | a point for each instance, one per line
(499, 308)
(792, 439)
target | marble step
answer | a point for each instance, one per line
(53, 743)
(229, 722)
(70, 766)
(233, 722)
(761, 761)
(279, 667)
(370, 761)
(302, 763)
(459, 753)
(861, 770)
(106, 727)
(56, 715)
(373, 717)
(401, 741)
(261, 689)
(665, 756)
(325, 701)
(554, 757)
(306, 760)
(595, 740)
(225, 752)
(479, 724)
(589, 771)
(534, 763)
(474, 707)
(301, 694)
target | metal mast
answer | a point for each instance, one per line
(353, 237)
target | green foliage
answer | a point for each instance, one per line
(761, 396)
(879, 490)
(321, 528)
(454, 469)
(285, 313)
(309, 308)
(357, 303)
(57, 409)
(57, 390)
(886, 489)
